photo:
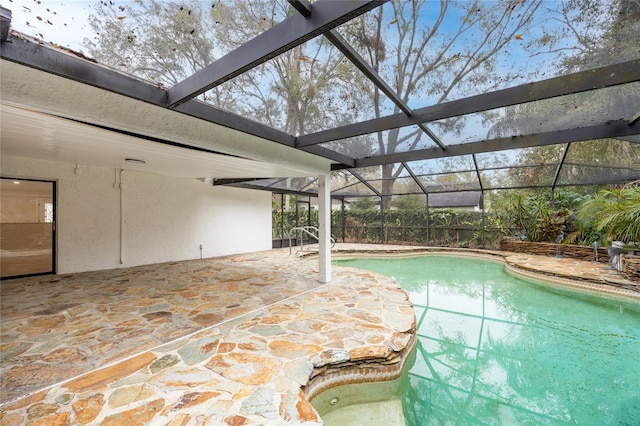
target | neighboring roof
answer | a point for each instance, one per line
(455, 199)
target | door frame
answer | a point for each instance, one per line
(54, 200)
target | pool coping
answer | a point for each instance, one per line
(514, 262)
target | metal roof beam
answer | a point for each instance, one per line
(415, 178)
(217, 182)
(248, 185)
(350, 53)
(302, 6)
(556, 175)
(291, 32)
(344, 160)
(612, 75)
(609, 167)
(365, 182)
(432, 135)
(212, 114)
(475, 163)
(600, 131)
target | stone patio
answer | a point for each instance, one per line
(228, 340)
(243, 339)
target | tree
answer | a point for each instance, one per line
(428, 52)
(166, 41)
(435, 56)
(603, 33)
(158, 41)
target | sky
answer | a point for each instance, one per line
(60, 22)
(64, 22)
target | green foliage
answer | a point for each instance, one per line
(363, 204)
(409, 202)
(615, 214)
(605, 216)
(283, 221)
(531, 215)
(493, 231)
(448, 227)
(602, 217)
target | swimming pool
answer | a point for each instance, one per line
(494, 348)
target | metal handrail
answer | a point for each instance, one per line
(306, 230)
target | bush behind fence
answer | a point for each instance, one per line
(439, 228)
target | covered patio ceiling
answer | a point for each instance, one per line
(540, 130)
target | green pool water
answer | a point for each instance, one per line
(495, 349)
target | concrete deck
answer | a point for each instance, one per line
(236, 340)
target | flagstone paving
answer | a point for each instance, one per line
(217, 341)
(236, 340)
(55, 327)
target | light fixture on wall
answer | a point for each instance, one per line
(135, 161)
(16, 182)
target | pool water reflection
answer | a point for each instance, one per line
(497, 349)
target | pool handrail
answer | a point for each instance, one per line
(306, 230)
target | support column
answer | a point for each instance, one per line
(343, 221)
(324, 219)
(428, 224)
(483, 221)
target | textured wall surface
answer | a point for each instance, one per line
(550, 249)
(632, 268)
(631, 264)
(157, 218)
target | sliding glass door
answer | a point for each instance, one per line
(27, 227)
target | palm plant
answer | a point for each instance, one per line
(613, 213)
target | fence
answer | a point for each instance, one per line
(440, 228)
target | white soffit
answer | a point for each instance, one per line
(35, 107)
(30, 134)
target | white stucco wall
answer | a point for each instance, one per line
(163, 218)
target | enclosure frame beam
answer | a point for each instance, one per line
(556, 176)
(583, 81)
(292, 32)
(610, 129)
(302, 6)
(354, 57)
(415, 178)
(475, 163)
(365, 182)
